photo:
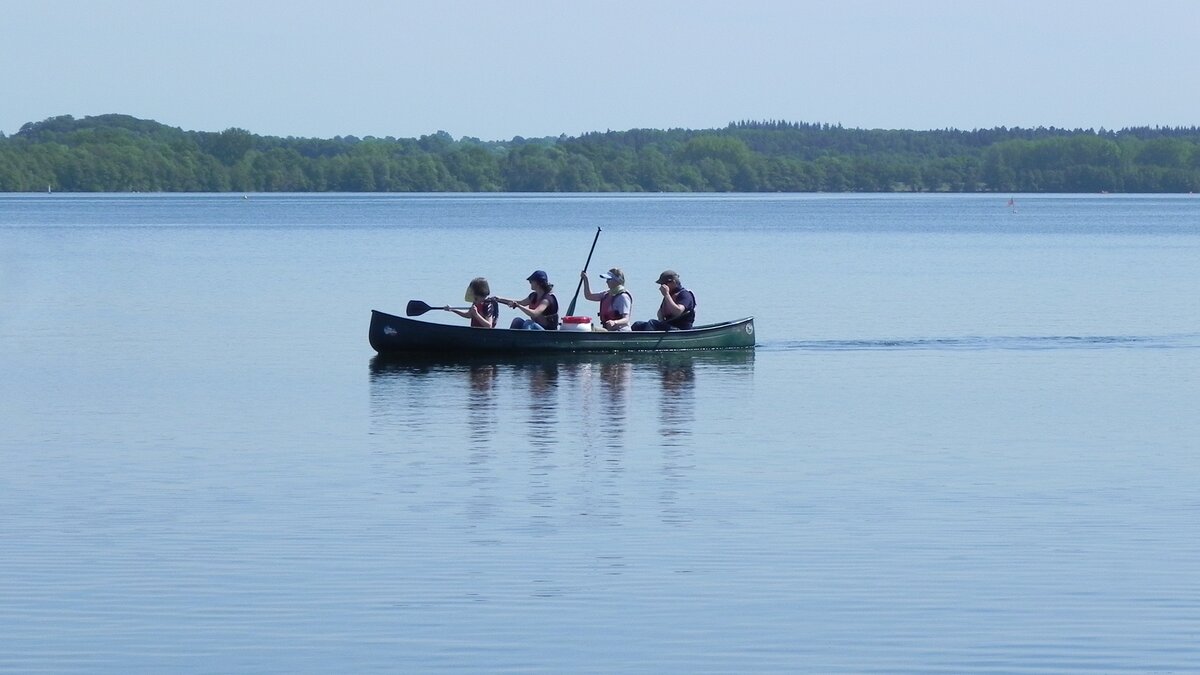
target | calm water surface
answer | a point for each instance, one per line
(967, 441)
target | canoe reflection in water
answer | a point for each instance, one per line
(481, 404)
(592, 399)
(541, 412)
(517, 442)
(678, 400)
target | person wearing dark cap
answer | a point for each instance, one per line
(616, 303)
(540, 306)
(678, 308)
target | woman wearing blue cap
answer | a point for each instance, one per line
(540, 306)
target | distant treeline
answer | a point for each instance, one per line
(119, 153)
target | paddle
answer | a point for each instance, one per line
(571, 307)
(417, 308)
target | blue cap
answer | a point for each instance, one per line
(538, 276)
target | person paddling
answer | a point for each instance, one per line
(540, 306)
(484, 311)
(678, 308)
(616, 303)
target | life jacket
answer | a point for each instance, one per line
(488, 309)
(606, 306)
(688, 317)
(549, 318)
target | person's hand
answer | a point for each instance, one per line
(583, 274)
(664, 289)
(445, 308)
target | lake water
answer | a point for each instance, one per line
(967, 442)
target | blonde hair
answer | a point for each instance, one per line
(479, 288)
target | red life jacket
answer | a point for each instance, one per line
(489, 310)
(606, 306)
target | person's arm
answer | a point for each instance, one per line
(512, 303)
(669, 309)
(615, 324)
(470, 313)
(478, 320)
(535, 312)
(587, 288)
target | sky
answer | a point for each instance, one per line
(499, 69)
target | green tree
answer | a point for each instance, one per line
(531, 168)
(119, 152)
(229, 146)
(654, 172)
(474, 168)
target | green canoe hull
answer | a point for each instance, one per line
(394, 335)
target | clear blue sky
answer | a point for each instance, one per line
(498, 69)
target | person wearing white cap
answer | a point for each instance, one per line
(616, 303)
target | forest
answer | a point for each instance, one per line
(120, 153)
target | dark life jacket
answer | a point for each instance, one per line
(549, 318)
(685, 320)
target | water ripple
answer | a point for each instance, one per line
(980, 343)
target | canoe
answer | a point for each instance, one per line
(384, 365)
(395, 335)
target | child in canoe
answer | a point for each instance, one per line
(484, 310)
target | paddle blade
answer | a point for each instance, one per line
(416, 308)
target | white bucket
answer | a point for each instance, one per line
(579, 324)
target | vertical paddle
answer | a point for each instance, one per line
(571, 307)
